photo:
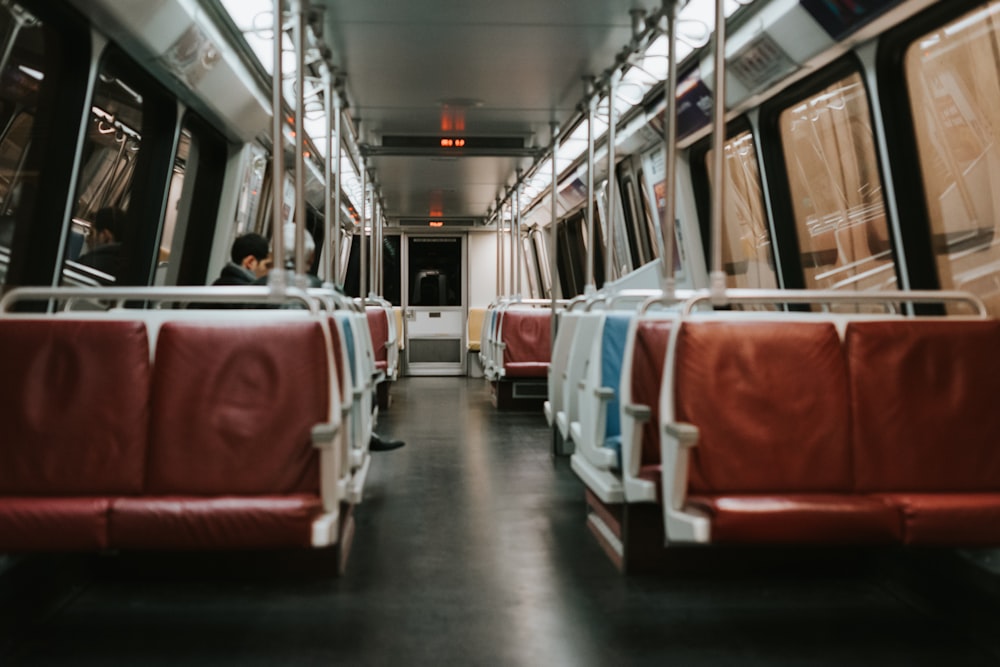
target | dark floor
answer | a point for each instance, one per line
(471, 549)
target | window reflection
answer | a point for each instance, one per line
(836, 190)
(954, 90)
(23, 43)
(97, 253)
(747, 257)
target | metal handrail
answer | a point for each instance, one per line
(888, 299)
(118, 295)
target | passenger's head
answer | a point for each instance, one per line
(310, 246)
(108, 226)
(251, 251)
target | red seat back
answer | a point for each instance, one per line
(648, 354)
(74, 404)
(924, 400)
(771, 402)
(233, 407)
(527, 335)
(378, 328)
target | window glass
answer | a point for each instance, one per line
(97, 249)
(23, 42)
(747, 256)
(636, 225)
(531, 270)
(173, 205)
(621, 259)
(836, 190)
(392, 270)
(952, 77)
(435, 271)
(541, 252)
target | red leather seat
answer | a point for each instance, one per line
(773, 460)
(926, 429)
(74, 403)
(527, 336)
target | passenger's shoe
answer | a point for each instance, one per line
(377, 444)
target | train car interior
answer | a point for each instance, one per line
(528, 333)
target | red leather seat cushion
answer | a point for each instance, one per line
(799, 519)
(53, 524)
(527, 369)
(213, 523)
(943, 519)
(233, 408)
(74, 404)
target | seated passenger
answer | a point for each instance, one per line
(105, 253)
(250, 260)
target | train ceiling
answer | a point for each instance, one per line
(456, 70)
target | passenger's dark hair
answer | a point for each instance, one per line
(249, 244)
(111, 219)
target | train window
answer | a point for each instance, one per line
(110, 237)
(572, 254)
(636, 226)
(542, 264)
(173, 204)
(352, 271)
(23, 42)
(531, 269)
(622, 260)
(951, 74)
(435, 271)
(392, 270)
(836, 189)
(652, 227)
(250, 214)
(747, 256)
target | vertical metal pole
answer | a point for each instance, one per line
(669, 222)
(591, 285)
(498, 283)
(377, 249)
(277, 277)
(553, 232)
(517, 235)
(501, 224)
(718, 276)
(298, 33)
(513, 242)
(337, 106)
(363, 250)
(609, 220)
(328, 247)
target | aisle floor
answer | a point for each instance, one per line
(471, 549)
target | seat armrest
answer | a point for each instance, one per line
(685, 434)
(325, 437)
(634, 415)
(604, 394)
(680, 524)
(324, 434)
(639, 413)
